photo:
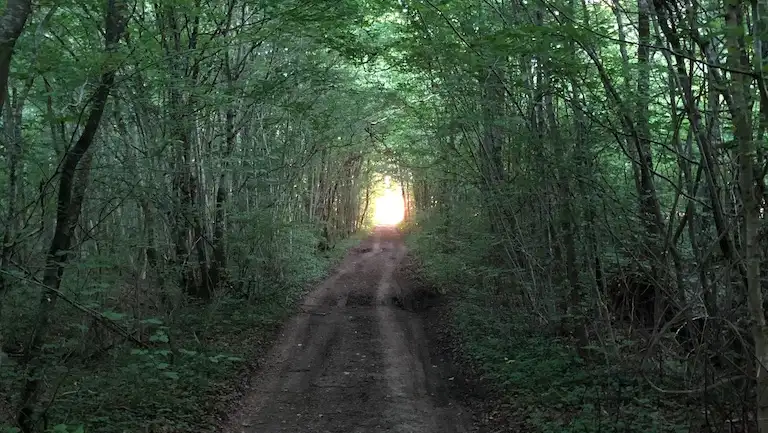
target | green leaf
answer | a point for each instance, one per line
(171, 375)
(159, 336)
(112, 315)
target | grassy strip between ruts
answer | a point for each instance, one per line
(195, 370)
(532, 379)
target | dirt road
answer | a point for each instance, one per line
(355, 359)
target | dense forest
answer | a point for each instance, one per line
(584, 180)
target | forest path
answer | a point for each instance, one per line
(355, 359)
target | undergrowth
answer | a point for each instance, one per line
(539, 375)
(189, 373)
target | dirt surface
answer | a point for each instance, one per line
(356, 357)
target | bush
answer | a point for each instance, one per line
(194, 355)
(538, 373)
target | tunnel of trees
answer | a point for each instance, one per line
(586, 177)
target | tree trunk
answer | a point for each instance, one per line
(366, 203)
(12, 142)
(489, 153)
(650, 209)
(747, 152)
(11, 25)
(72, 185)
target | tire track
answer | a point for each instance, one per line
(355, 362)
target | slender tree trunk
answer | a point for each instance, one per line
(72, 185)
(366, 203)
(703, 136)
(12, 23)
(219, 263)
(12, 142)
(747, 152)
(489, 152)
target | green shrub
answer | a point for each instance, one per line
(535, 370)
(194, 355)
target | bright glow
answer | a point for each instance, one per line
(389, 209)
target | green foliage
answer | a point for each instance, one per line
(193, 360)
(538, 373)
(290, 110)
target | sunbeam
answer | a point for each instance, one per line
(389, 209)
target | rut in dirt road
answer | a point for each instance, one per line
(355, 359)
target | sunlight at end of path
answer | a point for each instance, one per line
(389, 208)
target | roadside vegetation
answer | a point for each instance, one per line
(535, 376)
